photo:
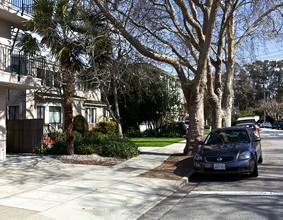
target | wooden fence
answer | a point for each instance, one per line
(24, 136)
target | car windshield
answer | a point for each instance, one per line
(249, 126)
(246, 121)
(227, 136)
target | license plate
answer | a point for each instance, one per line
(219, 166)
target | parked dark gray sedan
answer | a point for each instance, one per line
(229, 150)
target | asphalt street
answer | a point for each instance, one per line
(231, 196)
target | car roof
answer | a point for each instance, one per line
(245, 118)
(247, 123)
(234, 128)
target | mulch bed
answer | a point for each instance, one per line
(175, 167)
(90, 160)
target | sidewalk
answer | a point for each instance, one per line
(39, 188)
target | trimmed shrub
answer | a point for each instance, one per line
(80, 124)
(41, 150)
(207, 127)
(95, 135)
(58, 148)
(114, 146)
(94, 143)
(86, 149)
(167, 130)
(107, 127)
(134, 133)
(151, 133)
(171, 130)
(58, 136)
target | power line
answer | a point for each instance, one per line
(272, 54)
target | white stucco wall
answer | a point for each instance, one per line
(99, 112)
(90, 95)
(5, 32)
(30, 105)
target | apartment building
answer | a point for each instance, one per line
(30, 86)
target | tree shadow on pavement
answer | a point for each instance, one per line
(175, 167)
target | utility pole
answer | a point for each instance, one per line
(264, 96)
(265, 99)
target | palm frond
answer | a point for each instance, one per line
(28, 44)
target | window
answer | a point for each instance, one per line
(90, 115)
(48, 79)
(105, 113)
(14, 112)
(54, 114)
(40, 73)
(19, 64)
(40, 110)
(57, 79)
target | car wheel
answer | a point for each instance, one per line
(254, 173)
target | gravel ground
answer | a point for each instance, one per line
(174, 167)
(33, 159)
(92, 159)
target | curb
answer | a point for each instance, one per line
(186, 179)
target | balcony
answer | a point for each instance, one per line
(22, 71)
(16, 11)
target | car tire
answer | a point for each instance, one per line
(254, 173)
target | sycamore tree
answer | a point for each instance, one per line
(110, 76)
(199, 40)
(273, 108)
(174, 33)
(136, 91)
(75, 36)
(238, 22)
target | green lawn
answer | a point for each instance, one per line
(155, 141)
(158, 141)
(206, 131)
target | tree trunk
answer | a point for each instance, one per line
(196, 101)
(196, 118)
(216, 115)
(116, 106)
(67, 85)
(227, 117)
(228, 94)
(198, 41)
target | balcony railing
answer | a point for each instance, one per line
(23, 6)
(22, 64)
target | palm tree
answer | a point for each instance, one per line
(72, 32)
